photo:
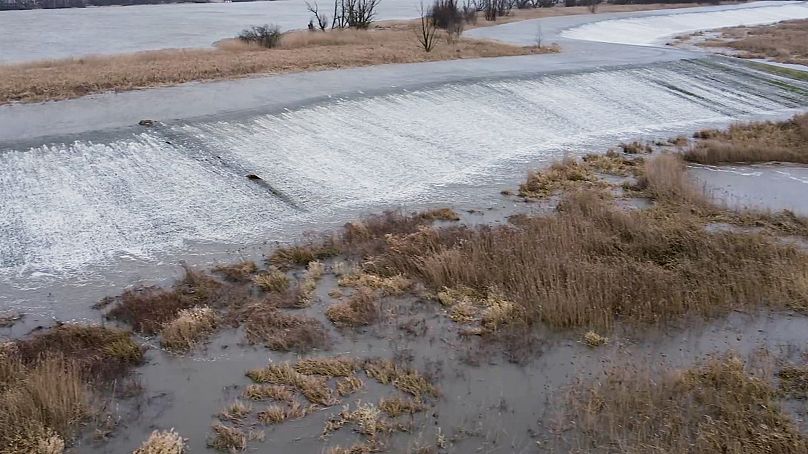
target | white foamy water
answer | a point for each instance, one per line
(653, 30)
(68, 206)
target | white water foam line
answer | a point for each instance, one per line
(653, 30)
(67, 206)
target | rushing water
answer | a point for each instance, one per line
(66, 207)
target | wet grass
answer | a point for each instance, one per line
(189, 328)
(100, 353)
(147, 310)
(721, 406)
(361, 309)
(277, 330)
(785, 141)
(162, 442)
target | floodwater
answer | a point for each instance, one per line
(76, 210)
(772, 186)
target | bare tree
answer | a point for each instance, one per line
(322, 19)
(592, 5)
(354, 13)
(427, 30)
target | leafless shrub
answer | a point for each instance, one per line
(427, 31)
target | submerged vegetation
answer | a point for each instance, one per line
(721, 406)
(593, 265)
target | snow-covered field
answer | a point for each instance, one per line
(655, 29)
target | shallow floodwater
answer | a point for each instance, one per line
(652, 30)
(761, 186)
(138, 200)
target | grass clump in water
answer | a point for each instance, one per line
(189, 328)
(717, 407)
(162, 442)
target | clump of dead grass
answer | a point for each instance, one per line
(261, 391)
(235, 412)
(100, 353)
(593, 339)
(717, 407)
(274, 414)
(232, 439)
(348, 385)
(274, 280)
(162, 442)
(43, 404)
(391, 285)
(237, 272)
(794, 381)
(278, 330)
(314, 388)
(361, 309)
(299, 255)
(189, 328)
(785, 141)
(327, 366)
(405, 379)
(366, 417)
(147, 310)
(397, 406)
(560, 176)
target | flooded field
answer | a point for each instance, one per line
(129, 200)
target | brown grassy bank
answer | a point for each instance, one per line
(784, 42)
(785, 141)
(298, 51)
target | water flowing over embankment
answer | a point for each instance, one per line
(147, 193)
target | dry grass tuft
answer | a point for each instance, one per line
(237, 272)
(330, 367)
(235, 412)
(408, 380)
(753, 142)
(273, 280)
(718, 407)
(348, 385)
(43, 404)
(593, 339)
(146, 310)
(396, 406)
(100, 353)
(301, 255)
(162, 442)
(277, 330)
(560, 176)
(367, 418)
(274, 414)
(189, 328)
(392, 285)
(315, 389)
(794, 381)
(228, 439)
(276, 392)
(361, 309)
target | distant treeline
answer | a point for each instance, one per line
(53, 4)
